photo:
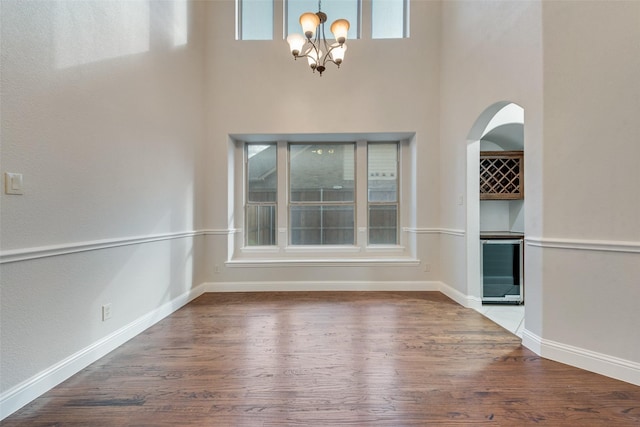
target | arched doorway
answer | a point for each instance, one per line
(500, 127)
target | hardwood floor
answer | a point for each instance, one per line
(329, 358)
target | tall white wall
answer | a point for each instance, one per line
(591, 283)
(383, 86)
(102, 113)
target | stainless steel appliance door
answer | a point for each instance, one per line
(501, 270)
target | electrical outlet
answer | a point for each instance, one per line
(427, 268)
(106, 312)
(216, 269)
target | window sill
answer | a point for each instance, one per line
(337, 250)
(323, 256)
(326, 262)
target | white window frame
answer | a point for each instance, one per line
(361, 253)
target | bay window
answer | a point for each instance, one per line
(323, 197)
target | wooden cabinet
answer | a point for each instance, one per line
(501, 175)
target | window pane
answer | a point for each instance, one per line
(322, 172)
(335, 9)
(261, 173)
(256, 19)
(383, 220)
(322, 225)
(387, 19)
(261, 225)
(383, 172)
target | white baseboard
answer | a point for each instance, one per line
(610, 366)
(23, 393)
(321, 286)
(462, 299)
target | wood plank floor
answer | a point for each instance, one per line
(330, 358)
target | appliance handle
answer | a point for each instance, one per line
(502, 241)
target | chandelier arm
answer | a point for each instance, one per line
(308, 47)
(312, 47)
(329, 50)
(337, 63)
(306, 55)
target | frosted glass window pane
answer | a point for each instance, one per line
(335, 9)
(256, 19)
(387, 19)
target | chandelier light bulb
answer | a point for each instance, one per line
(340, 28)
(309, 22)
(338, 53)
(296, 41)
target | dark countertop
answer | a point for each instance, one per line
(501, 235)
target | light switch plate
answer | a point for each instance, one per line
(13, 183)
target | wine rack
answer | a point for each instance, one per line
(501, 175)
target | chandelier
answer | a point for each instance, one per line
(314, 44)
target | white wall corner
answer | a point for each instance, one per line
(467, 301)
(610, 366)
(23, 393)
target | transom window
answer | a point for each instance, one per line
(389, 19)
(255, 19)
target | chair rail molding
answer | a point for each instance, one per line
(26, 254)
(585, 245)
(434, 230)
